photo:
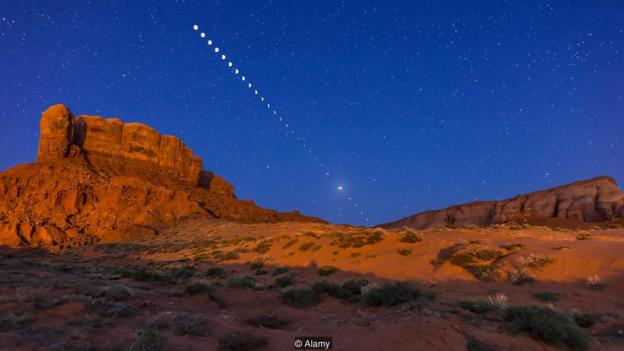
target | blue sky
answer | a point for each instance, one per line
(409, 106)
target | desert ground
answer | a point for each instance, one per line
(214, 285)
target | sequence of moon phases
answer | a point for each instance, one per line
(236, 71)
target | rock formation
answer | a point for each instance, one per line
(132, 149)
(100, 179)
(594, 200)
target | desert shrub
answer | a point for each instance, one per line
(353, 288)
(140, 274)
(116, 292)
(614, 226)
(485, 272)
(476, 306)
(374, 238)
(330, 288)
(256, 264)
(198, 288)
(514, 225)
(300, 297)
(149, 339)
(520, 275)
(263, 247)
(327, 270)
(473, 227)
(188, 325)
(513, 247)
(584, 320)
(537, 261)
(290, 243)
(583, 236)
(285, 280)
(462, 259)
(487, 254)
(280, 270)
(241, 341)
(355, 254)
(404, 251)
(268, 321)
(183, 272)
(391, 294)
(547, 325)
(242, 282)
(215, 272)
(547, 296)
(312, 234)
(305, 246)
(260, 272)
(227, 256)
(410, 238)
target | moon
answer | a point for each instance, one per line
(340, 188)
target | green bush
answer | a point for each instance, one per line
(327, 270)
(513, 247)
(280, 270)
(300, 297)
(215, 272)
(263, 247)
(476, 306)
(305, 246)
(391, 294)
(547, 296)
(285, 280)
(242, 282)
(485, 272)
(410, 238)
(330, 288)
(256, 265)
(374, 238)
(198, 288)
(584, 320)
(583, 236)
(268, 321)
(140, 274)
(149, 339)
(183, 272)
(241, 341)
(487, 254)
(547, 325)
(404, 251)
(353, 288)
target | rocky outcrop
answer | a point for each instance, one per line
(99, 179)
(594, 200)
(133, 149)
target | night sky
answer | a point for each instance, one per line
(409, 105)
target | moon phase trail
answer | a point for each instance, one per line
(289, 131)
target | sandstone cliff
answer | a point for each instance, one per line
(594, 200)
(100, 179)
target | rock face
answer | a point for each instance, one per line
(56, 133)
(132, 149)
(100, 179)
(594, 200)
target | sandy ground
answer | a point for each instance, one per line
(133, 295)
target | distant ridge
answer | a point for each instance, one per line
(586, 201)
